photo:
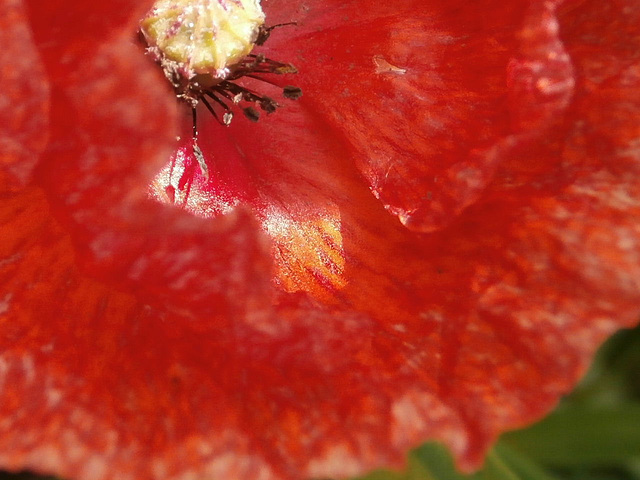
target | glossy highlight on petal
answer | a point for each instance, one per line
(430, 243)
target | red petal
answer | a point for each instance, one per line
(24, 107)
(466, 314)
(107, 387)
(430, 82)
(292, 173)
(455, 335)
(70, 30)
(114, 119)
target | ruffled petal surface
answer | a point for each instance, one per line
(142, 341)
(448, 89)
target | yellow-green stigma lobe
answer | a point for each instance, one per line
(202, 36)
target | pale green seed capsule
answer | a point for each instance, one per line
(203, 36)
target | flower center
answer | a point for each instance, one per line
(203, 36)
(203, 46)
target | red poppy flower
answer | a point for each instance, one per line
(429, 244)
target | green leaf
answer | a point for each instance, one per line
(432, 461)
(583, 437)
(522, 466)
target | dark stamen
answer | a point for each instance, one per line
(265, 32)
(196, 148)
(291, 92)
(227, 116)
(194, 117)
(220, 96)
(213, 91)
(210, 108)
(268, 105)
(260, 64)
(252, 114)
(217, 100)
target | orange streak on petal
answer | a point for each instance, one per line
(309, 252)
